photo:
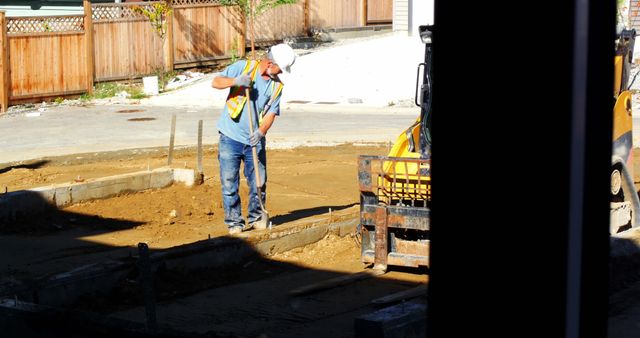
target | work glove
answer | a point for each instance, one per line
(242, 81)
(255, 138)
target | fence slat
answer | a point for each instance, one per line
(4, 66)
(88, 31)
(280, 22)
(47, 64)
(205, 32)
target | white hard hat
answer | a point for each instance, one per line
(283, 55)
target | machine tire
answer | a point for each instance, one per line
(627, 192)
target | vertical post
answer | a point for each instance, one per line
(4, 64)
(88, 38)
(365, 8)
(252, 20)
(306, 17)
(200, 174)
(146, 283)
(381, 245)
(243, 33)
(171, 140)
(168, 43)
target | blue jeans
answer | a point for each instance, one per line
(230, 154)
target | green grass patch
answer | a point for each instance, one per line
(111, 89)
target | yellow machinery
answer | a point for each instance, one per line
(625, 206)
(395, 190)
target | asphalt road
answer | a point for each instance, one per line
(64, 130)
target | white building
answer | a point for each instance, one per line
(409, 14)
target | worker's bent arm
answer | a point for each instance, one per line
(267, 121)
(222, 82)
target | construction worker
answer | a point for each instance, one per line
(236, 141)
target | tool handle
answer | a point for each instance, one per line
(254, 151)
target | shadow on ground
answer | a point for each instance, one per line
(303, 213)
(33, 165)
(220, 287)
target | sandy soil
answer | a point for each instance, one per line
(302, 183)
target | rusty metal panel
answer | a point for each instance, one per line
(398, 217)
(381, 237)
(364, 173)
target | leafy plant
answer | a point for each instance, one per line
(165, 76)
(111, 89)
(159, 14)
(251, 9)
(235, 46)
(59, 100)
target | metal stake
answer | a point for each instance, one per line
(146, 282)
(171, 140)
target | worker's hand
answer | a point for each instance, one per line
(242, 81)
(255, 138)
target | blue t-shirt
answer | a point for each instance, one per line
(238, 130)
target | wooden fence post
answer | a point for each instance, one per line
(363, 20)
(4, 64)
(306, 18)
(88, 36)
(243, 34)
(168, 44)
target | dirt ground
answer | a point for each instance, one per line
(302, 183)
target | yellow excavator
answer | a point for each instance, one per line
(625, 205)
(395, 190)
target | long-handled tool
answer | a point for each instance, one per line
(264, 219)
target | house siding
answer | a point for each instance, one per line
(401, 15)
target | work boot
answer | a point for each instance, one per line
(234, 230)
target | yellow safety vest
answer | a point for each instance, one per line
(236, 99)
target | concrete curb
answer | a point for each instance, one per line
(24, 203)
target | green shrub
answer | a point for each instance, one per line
(105, 90)
(111, 89)
(136, 92)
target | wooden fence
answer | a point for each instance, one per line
(206, 32)
(125, 44)
(336, 13)
(46, 57)
(280, 22)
